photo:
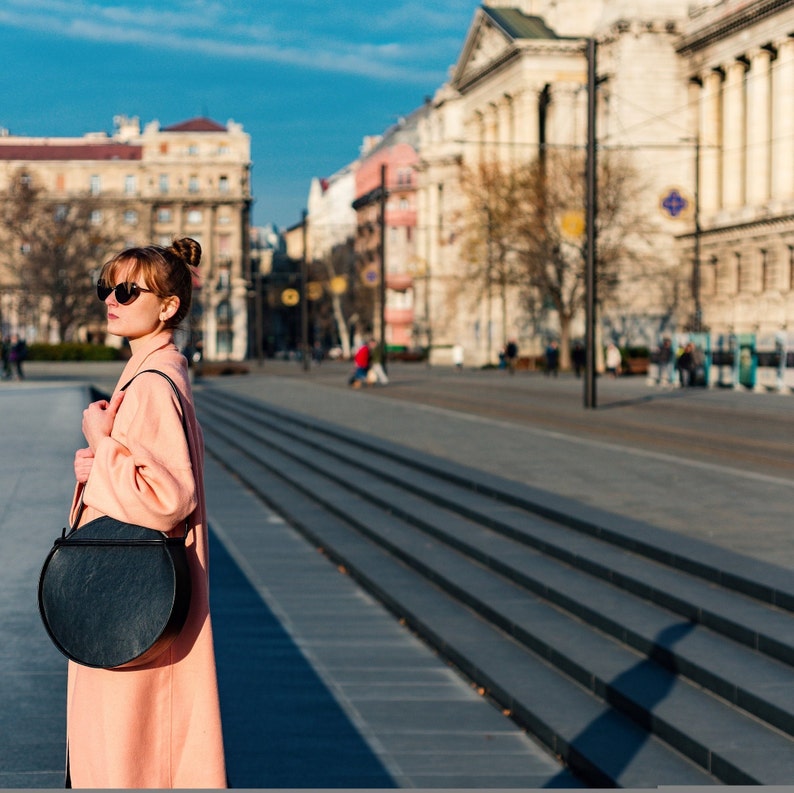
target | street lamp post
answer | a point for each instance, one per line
(697, 323)
(590, 216)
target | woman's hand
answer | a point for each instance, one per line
(83, 462)
(98, 419)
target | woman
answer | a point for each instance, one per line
(156, 725)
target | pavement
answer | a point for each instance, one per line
(337, 694)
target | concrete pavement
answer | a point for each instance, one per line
(319, 675)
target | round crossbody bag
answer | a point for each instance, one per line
(114, 594)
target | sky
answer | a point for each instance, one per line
(307, 79)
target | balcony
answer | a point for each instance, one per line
(400, 282)
(399, 316)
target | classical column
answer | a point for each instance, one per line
(758, 128)
(783, 121)
(506, 128)
(710, 128)
(525, 114)
(733, 136)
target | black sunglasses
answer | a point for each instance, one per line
(126, 292)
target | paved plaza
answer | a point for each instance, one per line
(320, 676)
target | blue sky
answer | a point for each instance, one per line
(307, 79)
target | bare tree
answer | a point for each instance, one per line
(53, 248)
(488, 238)
(549, 209)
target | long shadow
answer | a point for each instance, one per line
(608, 738)
(282, 727)
(680, 393)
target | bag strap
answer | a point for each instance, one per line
(81, 505)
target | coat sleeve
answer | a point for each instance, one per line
(142, 472)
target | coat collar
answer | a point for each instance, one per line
(140, 360)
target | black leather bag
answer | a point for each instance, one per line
(114, 594)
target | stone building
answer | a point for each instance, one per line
(187, 179)
(518, 89)
(738, 58)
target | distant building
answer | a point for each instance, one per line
(395, 155)
(188, 179)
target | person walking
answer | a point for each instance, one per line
(552, 358)
(362, 361)
(613, 359)
(156, 725)
(665, 364)
(511, 355)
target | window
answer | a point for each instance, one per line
(163, 183)
(131, 217)
(193, 150)
(164, 215)
(130, 184)
(61, 213)
(193, 184)
(95, 184)
(223, 184)
(96, 217)
(194, 216)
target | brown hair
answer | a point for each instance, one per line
(168, 271)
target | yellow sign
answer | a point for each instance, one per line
(314, 290)
(572, 224)
(290, 297)
(338, 285)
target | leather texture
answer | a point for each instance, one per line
(113, 594)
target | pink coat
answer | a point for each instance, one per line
(155, 726)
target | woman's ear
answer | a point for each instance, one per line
(168, 308)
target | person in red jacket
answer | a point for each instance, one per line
(363, 360)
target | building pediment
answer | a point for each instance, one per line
(493, 39)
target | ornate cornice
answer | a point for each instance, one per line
(745, 17)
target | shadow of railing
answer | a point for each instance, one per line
(607, 737)
(282, 726)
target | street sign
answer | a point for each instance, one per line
(675, 205)
(370, 275)
(290, 297)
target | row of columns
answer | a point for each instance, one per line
(509, 127)
(746, 129)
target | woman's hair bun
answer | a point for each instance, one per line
(188, 250)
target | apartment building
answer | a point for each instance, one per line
(153, 184)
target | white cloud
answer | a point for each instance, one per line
(395, 44)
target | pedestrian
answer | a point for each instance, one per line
(613, 359)
(18, 352)
(6, 352)
(156, 725)
(579, 356)
(686, 366)
(457, 357)
(362, 361)
(511, 355)
(552, 358)
(664, 374)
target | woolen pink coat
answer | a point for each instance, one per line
(155, 726)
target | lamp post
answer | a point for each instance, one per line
(382, 281)
(590, 216)
(697, 323)
(304, 299)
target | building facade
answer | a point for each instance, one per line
(738, 59)
(155, 184)
(389, 163)
(518, 92)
